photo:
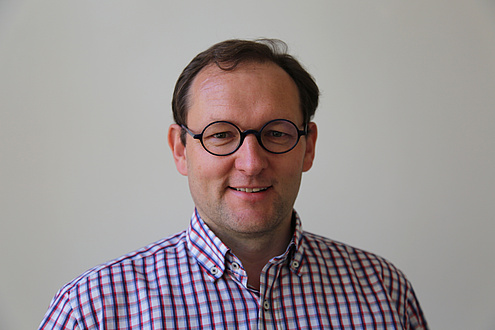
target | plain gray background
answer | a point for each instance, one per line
(405, 156)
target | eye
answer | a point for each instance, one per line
(222, 135)
(277, 137)
(215, 138)
(276, 134)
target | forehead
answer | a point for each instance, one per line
(262, 91)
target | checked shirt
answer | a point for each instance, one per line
(192, 281)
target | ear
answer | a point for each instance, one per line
(309, 155)
(178, 148)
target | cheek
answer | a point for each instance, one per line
(295, 163)
(294, 174)
(205, 170)
(289, 171)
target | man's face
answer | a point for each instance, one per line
(221, 186)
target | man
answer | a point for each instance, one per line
(243, 136)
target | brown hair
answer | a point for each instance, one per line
(230, 53)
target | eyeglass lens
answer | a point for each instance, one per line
(222, 138)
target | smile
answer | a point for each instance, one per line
(250, 190)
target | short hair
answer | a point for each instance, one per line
(227, 55)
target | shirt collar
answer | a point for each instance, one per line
(297, 255)
(206, 247)
(211, 252)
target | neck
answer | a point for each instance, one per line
(255, 251)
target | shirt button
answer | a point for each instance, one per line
(214, 270)
(295, 264)
(266, 305)
(235, 266)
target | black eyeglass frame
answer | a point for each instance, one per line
(243, 135)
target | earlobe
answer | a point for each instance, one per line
(178, 148)
(309, 156)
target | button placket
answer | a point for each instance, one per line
(214, 270)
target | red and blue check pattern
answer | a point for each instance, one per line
(193, 281)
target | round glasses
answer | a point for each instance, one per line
(222, 138)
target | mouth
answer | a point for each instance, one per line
(251, 190)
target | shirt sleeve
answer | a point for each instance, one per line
(402, 294)
(415, 316)
(60, 314)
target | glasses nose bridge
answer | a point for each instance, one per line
(256, 133)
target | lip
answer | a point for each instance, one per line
(250, 190)
(251, 194)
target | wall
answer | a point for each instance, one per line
(405, 163)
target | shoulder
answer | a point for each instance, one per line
(345, 256)
(317, 243)
(106, 284)
(142, 261)
(367, 272)
(350, 264)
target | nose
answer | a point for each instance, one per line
(251, 158)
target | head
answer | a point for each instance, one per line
(227, 55)
(250, 191)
